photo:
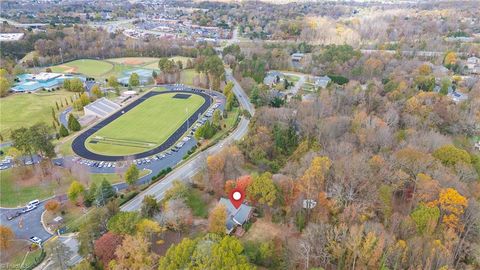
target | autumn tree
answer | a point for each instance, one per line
(134, 80)
(124, 223)
(6, 237)
(149, 207)
(75, 190)
(134, 254)
(96, 91)
(452, 205)
(425, 217)
(217, 219)
(132, 174)
(262, 189)
(313, 180)
(148, 228)
(215, 165)
(176, 215)
(60, 254)
(450, 155)
(52, 206)
(112, 81)
(105, 247)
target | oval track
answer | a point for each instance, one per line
(78, 144)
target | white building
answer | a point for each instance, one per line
(101, 107)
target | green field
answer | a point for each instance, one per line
(187, 75)
(88, 67)
(23, 110)
(145, 126)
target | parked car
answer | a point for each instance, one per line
(14, 215)
(28, 208)
(35, 240)
(34, 202)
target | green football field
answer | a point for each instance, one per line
(144, 127)
(88, 67)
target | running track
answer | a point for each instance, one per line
(78, 144)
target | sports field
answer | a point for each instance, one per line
(88, 67)
(24, 110)
(144, 127)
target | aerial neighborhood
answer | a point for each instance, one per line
(270, 134)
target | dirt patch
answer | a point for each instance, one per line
(133, 61)
(68, 69)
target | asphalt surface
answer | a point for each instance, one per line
(78, 144)
(26, 225)
(63, 117)
(194, 165)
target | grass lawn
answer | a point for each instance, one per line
(187, 75)
(20, 110)
(308, 87)
(145, 126)
(88, 67)
(292, 78)
(13, 194)
(195, 202)
(25, 258)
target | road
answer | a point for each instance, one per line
(63, 117)
(26, 225)
(194, 165)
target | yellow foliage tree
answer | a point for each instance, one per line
(453, 206)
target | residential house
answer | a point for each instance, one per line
(236, 216)
(273, 77)
(473, 65)
(322, 82)
(297, 57)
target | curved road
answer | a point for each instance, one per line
(191, 167)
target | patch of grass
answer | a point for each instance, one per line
(24, 110)
(88, 67)
(187, 75)
(26, 259)
(195, 202)
(292, 78)
(145, 126)
(13, 194)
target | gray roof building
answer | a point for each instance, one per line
(322, 81)
(273, 77)
(236, 217)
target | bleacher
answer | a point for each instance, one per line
(101, 107)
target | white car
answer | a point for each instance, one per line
(34, 203)
(29, 208)
(35, 240)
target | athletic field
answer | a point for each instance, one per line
(88, 67)
(144, 127)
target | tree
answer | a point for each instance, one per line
(425, 218)
(112, 81)
(450, 59)
(52, 206)
(91, 229)
(134, 80)
(313, 180)
(4, 86)
(208, 252)
(23, 140)
(132, 174)
(60, 254)
(217, 219)
(63, 131)
(178, 190)
(89, 195)
(150, 206)
(105, 246)
(73, 123)
(6, 237)
(104, 193)
(134, 254)
(450, 155)
(96, 91)
(148, 228)
(84, 99)
(452, 204)
(75, 190)
(262, 189)
(176, 215)
(123, 223)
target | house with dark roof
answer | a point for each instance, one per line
(273, 77)
(236, 216)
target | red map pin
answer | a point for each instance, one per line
(236, 197)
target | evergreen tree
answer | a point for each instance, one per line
(104, 193)
(73, 123)
(63, 131)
